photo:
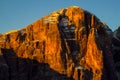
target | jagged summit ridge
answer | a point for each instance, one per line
(53, 17)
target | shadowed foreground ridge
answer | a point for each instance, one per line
(68, 44)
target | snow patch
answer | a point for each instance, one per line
(79, 67)
(10, 32)
(75, 6)
(70, 39)
(109, 32)
(50, 20)
(64, 22)
(22, 31)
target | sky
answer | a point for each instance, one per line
(15, 14)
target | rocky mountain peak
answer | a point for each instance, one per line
(68, 44)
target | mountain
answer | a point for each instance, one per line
(68, 44)
(116, 50)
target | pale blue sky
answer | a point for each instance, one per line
(15, 14)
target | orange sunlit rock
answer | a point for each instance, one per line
(46, 50)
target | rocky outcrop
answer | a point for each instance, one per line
(116, 49)
(68, 44)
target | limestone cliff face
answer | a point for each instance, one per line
(68, 44)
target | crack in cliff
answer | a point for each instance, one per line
(67, 34)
